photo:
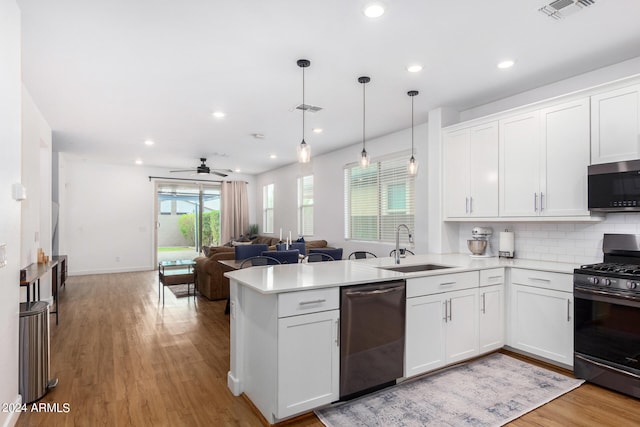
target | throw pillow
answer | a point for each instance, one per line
(236, 243)
(205, 250)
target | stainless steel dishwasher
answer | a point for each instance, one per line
(372, 319)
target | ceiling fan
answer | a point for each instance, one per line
(203, 169)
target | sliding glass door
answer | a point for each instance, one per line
(188, 217)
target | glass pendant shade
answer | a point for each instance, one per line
(364, 159)
(412, 166)
(304, 152)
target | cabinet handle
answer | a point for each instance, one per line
(541, 199)
(315, 301)
(470, 204)
(338, 332)
(450, 311)
(568, 310)
(539, 279)
(484, 308)
(447, 283)
(446, 311)
(535, 202)
(466, 205)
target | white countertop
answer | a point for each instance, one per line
(304, 276)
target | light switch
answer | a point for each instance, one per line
(19, 192)
(3, 255)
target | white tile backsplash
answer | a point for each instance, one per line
(576, 243)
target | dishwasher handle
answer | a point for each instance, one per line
(375, 291)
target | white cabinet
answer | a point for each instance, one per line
(544, 156)
(471, 171)
(308, 362)
(615, 125)
(541, 314)
(441, 327)
(492, 308)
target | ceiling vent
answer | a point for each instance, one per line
(308, 108)
(560, 9)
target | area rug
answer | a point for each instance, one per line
(486, 392)
(180, 291)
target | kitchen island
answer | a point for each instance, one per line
(285, 321)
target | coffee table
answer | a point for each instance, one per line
(178, 272)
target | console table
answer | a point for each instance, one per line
(31, 280)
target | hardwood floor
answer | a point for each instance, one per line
(122, 359)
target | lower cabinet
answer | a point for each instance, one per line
(492, 309)
(308, 362)
(441, 328)
(541, 315)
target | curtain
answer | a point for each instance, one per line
(234, 210)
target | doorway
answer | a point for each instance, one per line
(187, 218)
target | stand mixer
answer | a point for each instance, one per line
(479, 245)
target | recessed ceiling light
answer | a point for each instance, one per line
(148, 142)
(219, 114)
(237, 170)
(414, 68)
(317, 130)
(508, 63)
(273, 156)
(138, 162)
(373, 10)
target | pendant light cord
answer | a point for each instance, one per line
(363, 115)
(304, 107)
(412, 126)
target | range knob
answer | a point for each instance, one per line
(606, 282)
(632, 285)
(593, 280)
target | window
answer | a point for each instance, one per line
(305, 205)
(267, 208)
(378, 199)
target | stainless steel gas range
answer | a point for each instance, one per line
(607, 316)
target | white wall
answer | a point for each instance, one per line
(327, 170)
(10, 142)
(107, 215)
(36, 177)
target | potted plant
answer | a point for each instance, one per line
(253, 230)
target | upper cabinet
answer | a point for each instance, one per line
(471, 172)
(544, 156)
(615, 125)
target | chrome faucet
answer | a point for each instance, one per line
(397, 253)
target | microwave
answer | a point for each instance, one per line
(614, 187)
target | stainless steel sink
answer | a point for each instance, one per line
(415, 268)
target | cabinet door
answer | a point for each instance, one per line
(519, 165)
(491, 318)
(565, 157)
(424, 339)
(308, 362)
(461, 339)
(542, 322)
(483, 166)
(456, 173)
(615, 125)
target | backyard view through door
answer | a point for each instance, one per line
(188, 218)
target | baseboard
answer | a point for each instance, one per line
(13, 416)
(109, 271)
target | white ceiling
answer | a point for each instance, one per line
(109, 74)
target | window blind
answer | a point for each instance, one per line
(305, 205)
(378, 199)
(267, 207)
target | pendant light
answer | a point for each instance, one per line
(304, 150)
(364, 156)
(412, 167)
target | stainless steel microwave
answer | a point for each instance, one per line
(614, 187)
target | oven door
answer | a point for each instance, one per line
(607, 329)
